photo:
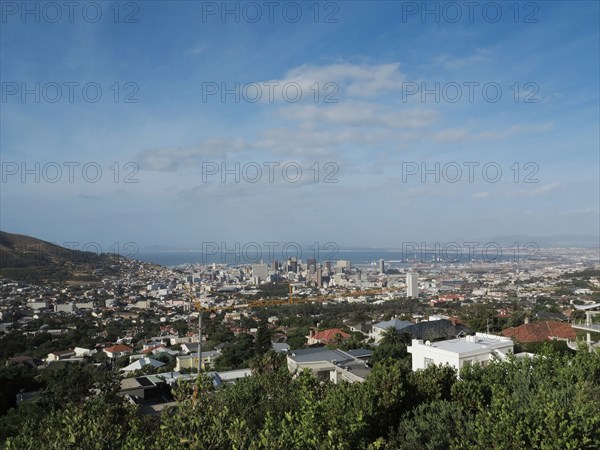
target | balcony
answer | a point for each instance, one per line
(587, 326)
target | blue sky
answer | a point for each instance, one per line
(370, 61)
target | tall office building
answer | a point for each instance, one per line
(343, 264)
(412, 285)
(381, 266)
(292, 265)
(260, 271)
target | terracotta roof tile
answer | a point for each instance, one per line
(540, 331)
(119, 348)
(327, 336)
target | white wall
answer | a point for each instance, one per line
(419, 354)
(456, 359)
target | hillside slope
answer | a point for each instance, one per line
(31, 260)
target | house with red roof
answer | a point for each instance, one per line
(331, 336)
(540, 331)
(118, 350)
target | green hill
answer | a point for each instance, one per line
(31, 260)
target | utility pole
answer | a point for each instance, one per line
(199, 307)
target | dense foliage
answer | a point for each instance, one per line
(551, 401)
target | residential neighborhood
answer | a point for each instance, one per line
(143, 321)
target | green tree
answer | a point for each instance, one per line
(393, 345)
(237, 354)
(263, 340)
(438, 425)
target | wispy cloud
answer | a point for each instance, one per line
(353, 80)
(197, 49)
(172, 159)
(360, 114)
(516, 130)
(582, 211)
(466, 134)
(452, 135)
(88, 197)
(539, 191)
(448, 61)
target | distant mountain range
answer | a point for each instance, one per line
(31, 260)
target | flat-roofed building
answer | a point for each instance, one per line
(331, 364)
(479, 348)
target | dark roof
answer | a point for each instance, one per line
(63, 352)
(26, 360)
(547, 315)
(363, 327)
(319, 354)
(435, 329)
(144, 381)
(20, 359)
(394, 323)
(360, 352)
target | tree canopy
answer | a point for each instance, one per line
(549, 401)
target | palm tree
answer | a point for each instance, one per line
(393, 336)
(268, 362)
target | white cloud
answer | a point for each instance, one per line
(516, 130)
(197, 50)
(352, 80)
(360, 114)
(546, 189)
(463, 134)
(582, 211)
(449, 62)
(171, 159)
(538, 191)
(313, 142)
(451, 135)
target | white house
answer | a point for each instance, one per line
(36, 306)
(141, 363)
(117, 351)
(60, 355)
(331, 364)
(189, 347)
(80, 351)
(456, 352)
